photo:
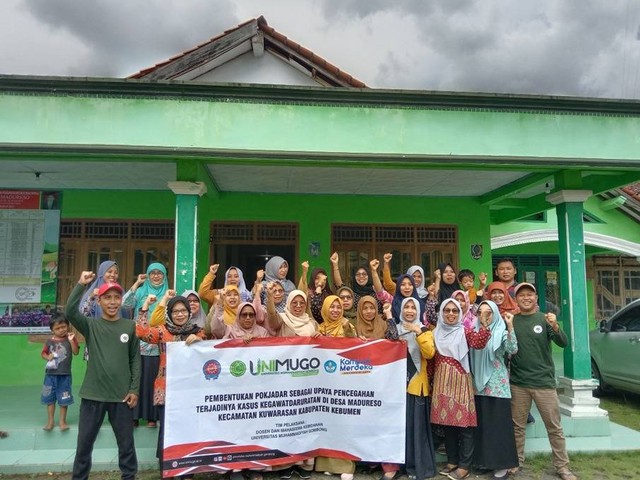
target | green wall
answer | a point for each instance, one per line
(313, 213)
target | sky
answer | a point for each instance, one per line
(587, 48)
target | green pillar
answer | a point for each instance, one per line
(575, 315)
(186, 239)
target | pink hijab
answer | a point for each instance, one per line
(469, 318)
(236, 331)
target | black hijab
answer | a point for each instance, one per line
(446, 289)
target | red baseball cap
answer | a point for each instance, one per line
(105, 287)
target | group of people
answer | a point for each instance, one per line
(476, 357)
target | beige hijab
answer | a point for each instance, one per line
(304, 325)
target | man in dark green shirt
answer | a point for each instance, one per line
(111, 383)
(533, 375)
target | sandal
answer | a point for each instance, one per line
(446, 470)
(455, 475)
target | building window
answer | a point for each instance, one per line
(133, 244)
(424, 245)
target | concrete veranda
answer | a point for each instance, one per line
(30, 449)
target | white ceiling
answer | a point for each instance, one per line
(56, 175)
(255, 178)
(358, 181)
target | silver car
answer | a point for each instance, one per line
(615, 351)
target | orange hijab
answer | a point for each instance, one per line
(509, 304)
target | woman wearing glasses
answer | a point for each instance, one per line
(177, 326)
(361, 283)
(294, 321)
(453, 404)
(153, 283)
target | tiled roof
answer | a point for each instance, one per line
(274, 40)
(633, 191)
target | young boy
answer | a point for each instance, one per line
(467, 279)
(57, 352)
(112, 381)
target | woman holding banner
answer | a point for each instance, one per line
(335, 325)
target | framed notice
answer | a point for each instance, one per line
(29, 245)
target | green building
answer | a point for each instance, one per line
(168, 166)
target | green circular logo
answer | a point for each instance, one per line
(238, 368)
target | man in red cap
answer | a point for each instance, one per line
(111, 384)
(533, 375)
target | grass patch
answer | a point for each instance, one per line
(623, 408)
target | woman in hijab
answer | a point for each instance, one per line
(416, 271)
(469, 318)
(294, 321)
(226, 307)
(198, 316)
(420, 460)
(318, 291)
(499, 295)
(177, 326)
(234, 276)
(361, 283)
(346, 296)
(218, 317)
(453, 396)
(246, 325)
(404, 288)
(334, 324)
(153, 284)
(107, 272)
(493, 395)
(370, 325)
(277, 269)
(446, 281)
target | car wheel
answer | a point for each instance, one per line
(602, 388)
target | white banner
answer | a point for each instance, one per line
(275, 401)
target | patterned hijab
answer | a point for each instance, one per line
(370, 329)
(482, 360)
(332, 327)
(450, 339)
(181, 332)
(304, 325)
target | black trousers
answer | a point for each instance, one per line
(92, 415)
(459, 444)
